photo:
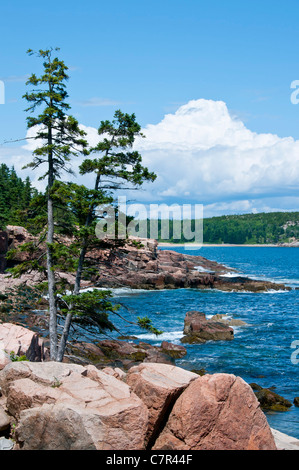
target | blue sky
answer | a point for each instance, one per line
(152, 58)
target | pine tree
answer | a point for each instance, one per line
(115, 165)
(15, 197)
(59, 138)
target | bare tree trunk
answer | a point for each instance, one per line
(68, 320)
(50, 271)
(51, 286)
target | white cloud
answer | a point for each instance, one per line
(202, 154)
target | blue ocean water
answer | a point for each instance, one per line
(263, 351)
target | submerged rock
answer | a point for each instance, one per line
(270, 400)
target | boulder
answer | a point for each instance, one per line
(285, 442)
(158, 386)
(4, 420)
(118, 353)
(59, 406)
(199, 330)
(18, 341)
(174, 350)
(6, 444)
(69, 407)
(216, 412)
(4, 358)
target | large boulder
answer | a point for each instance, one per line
(158, 386)
(69, 407)
(59, 406)
(216, 412)
(198, 329)
(17, 341)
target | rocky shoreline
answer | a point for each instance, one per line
(47, 405)
(57, 406)
(139, 264)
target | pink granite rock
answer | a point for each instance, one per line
(21, 341)
(216, 412)
(158, 386)
(199, 330)
(69, 407)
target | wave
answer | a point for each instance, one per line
(201, 269)
(120, 291)
(171, 336)
(270, 291)
(230, 274)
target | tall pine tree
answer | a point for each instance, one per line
(58, 138)
(114, 164)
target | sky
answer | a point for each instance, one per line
(210, 83)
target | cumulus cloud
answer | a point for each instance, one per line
(203, 154)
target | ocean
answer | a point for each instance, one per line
(265, 351)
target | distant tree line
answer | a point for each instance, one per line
(273, 227)
(20, 203)
(15, 197)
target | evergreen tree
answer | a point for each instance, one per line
(15, 197)
(116, 164)
(59, 138)
(68, 208)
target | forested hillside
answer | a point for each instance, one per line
(273, 227)
(15, 196)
